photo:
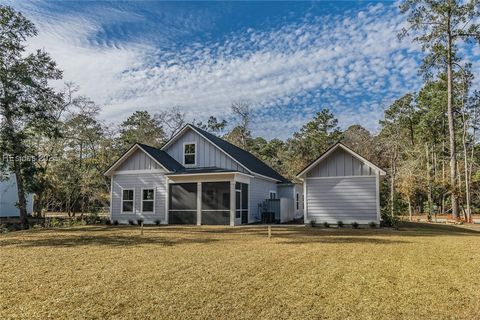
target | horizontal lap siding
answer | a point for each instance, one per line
(138, 181)
(259, 192)
(347, 199)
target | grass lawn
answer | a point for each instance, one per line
(418, 272)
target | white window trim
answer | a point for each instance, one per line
(154, 198)
(133, 206)
(195, 154)
(270, 193)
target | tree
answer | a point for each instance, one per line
(143, 128)
(240, 135)
(312, 140)
(171, 120)
(359, 139)
(27, 103)
(213, 125)
(441, 25)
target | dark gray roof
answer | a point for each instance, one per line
(244, 157)
(164, 158)
(203, 170)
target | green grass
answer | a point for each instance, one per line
(421, 271)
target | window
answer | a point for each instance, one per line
(127, 200)
(189, 150)
(148, 200)
(273, 195)
(297, 200)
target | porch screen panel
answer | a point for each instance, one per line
(183, 203)
(216, 203)
(241, 201)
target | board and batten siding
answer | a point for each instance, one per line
(346, 199)
(259, 191)
(340, 163)
(139, 160)
(207, 154)
(154, 180)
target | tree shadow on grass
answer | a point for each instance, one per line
(112, 240)
(117, 236)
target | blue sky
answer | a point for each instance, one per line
(287, 59)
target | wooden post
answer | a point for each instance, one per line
(141, 228)
(269, 232)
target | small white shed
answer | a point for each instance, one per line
(341, 185)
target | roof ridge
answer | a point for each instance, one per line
(237, 148)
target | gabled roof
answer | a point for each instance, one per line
(242, 157)
(164, 158)
(330, 150)
(159, 156)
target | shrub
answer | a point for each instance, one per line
(355, 225)
(3, 228)
(55, 223)
(313, 223)
(115, 222)
(139, 221)
(326, 224)
(36, 226)
(372, 224)
(340, 224)
(389, 221)
(108, 222)
(157, 222)
(131, 222)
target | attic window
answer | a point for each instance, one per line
(189, 157)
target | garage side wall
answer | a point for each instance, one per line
(342, 188)
(345, 199)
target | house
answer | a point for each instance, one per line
(197, 178)
(9, 198)
(341, 185)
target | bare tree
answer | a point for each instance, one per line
(171, 120)
(242, 110)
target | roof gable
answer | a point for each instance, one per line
(160, 157)
(242, 157)
(333, 149)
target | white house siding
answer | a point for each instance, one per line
(259, 191)
(285, 190)
(208, 155)
(137, 182)
(9, 198)
(139, 160)
(340, 163)
(347, 199)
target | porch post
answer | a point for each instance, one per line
(199, 203)
(232, 203)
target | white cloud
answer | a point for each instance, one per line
(352, 63)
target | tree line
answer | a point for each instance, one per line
(427, 141)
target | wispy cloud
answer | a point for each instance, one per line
(352, 63)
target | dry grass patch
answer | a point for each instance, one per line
(421, 271)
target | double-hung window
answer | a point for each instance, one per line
(297, 200)
(148, 200)
(127, 200)
(189, 154)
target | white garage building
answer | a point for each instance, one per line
(342, 186)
